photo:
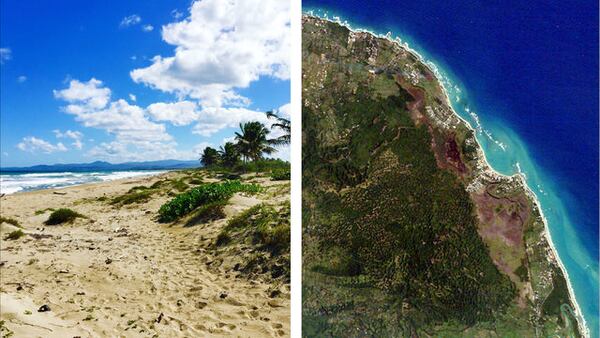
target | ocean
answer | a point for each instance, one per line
(22, 181)
(525, 75)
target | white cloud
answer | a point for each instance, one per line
(5, 55)
(132, 97)
(211, 120)
(285, 111)
(176, 14)
(33, 144)
(130, 21)
(136, 137)
(76, 136)
(147, 28)
(179, 113)
(221, 46)
(22, 79)
(88, 95)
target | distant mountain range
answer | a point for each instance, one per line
(105, 166)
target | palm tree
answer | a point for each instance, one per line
(283, 125)
(252, 141)
(229, 153)
(210, 156)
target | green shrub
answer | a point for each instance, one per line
(265, 165)
(9, 221)
(62, 215)
(280, 175)
(185, 203)
(15, 235)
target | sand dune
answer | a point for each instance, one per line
(122, 274)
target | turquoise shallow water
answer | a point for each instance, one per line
(508, 153)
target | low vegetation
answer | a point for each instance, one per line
(13, 235)
(186, 202)
(179, 185)
(280, 175)
(270, 227)
(206, 213)
(9, 221)
(133, 196)
(43, 211)
(265, 229)
(62, 215)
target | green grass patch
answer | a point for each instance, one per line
(9, 221)
(269, 228)
(206, 213)
(222, 239)
(179, 185)
(133, 196)
(186, 202)
(13, 235)
(158, 184)
(43, 211)
(63, 215)
(195, 181)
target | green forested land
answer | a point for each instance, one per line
(396, 223)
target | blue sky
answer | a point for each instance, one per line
(136, 80)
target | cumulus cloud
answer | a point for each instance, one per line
(221, 46)
(76, 136)
(5, 55)
(89, 95)
(33, 144)
(132, 97)
(131, 20)
(285, 111)
(178, 113)
(135, 135)
(147, 28)
(22, 79)
(211, 120)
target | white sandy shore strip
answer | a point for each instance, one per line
(583, 328)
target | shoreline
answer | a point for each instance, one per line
(150, 173)
(487, 168)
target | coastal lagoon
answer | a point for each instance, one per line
(561, 171)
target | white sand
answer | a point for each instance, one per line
(155, 268)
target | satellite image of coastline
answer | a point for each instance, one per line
(424, 218)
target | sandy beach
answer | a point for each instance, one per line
(120, 273)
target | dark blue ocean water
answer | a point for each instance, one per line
(530, 71)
